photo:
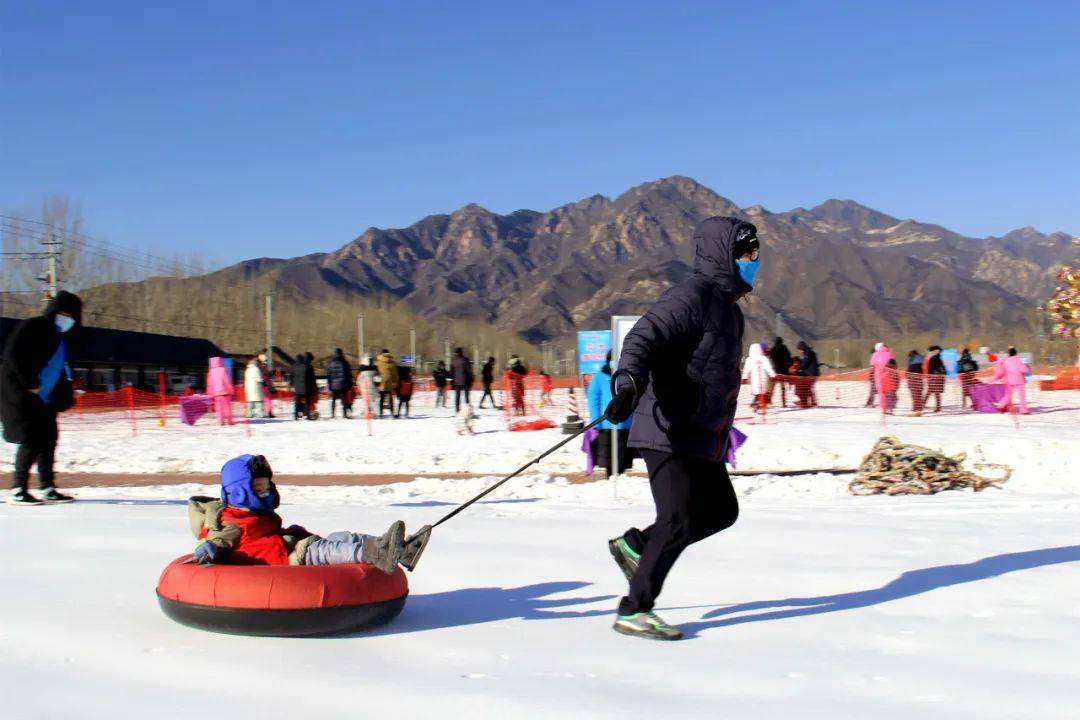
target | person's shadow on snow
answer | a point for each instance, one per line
(913, 582)
(473, 606)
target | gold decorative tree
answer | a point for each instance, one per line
(1063, 307)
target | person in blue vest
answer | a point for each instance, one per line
(598, 397)
(35, 385)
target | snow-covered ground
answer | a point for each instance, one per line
(1044, 449)
(959, 605)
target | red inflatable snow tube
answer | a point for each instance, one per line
(280, 600)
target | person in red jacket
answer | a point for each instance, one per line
(243, 529)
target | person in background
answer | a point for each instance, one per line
(461, 374)
(300, 386)
(404, 390)
(487, 377)
(313, 389)
(934, 369)
(1014, 371)
(366, 386)
(890, 383)
(967, 367)
(546, 386)
(388, 378)
(597, 399)
(339, 379)
(219, 386)
(759, 371)
(916, 386)
(807, 372)
(267, 386)
(253, 387)
(515, 378)
(441, 377)
(35, 386)
(879, 360)
(780, 357)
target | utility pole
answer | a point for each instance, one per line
(270, 333)
(360, 337)
(779, 324)
(52, 272)
(446, 347)
(412, 344)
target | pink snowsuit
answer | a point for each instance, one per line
(878, 361)
(219, 386)
(1013, 370)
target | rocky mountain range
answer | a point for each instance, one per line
(838, 270)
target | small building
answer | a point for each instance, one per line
(108, 359)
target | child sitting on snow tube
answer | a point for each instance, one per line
(243, 529)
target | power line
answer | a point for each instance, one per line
(11, 223)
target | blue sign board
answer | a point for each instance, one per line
(593, 346)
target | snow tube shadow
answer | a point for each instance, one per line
(280, 600)
(527, 425)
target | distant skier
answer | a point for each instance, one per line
(680, 369)
(461, 375)
(404, 390)
(807, 371)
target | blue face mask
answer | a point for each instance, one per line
(64, 323)
(748, 270)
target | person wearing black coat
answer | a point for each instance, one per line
(441, 377)
(339, 379)
(36, 384)
(461, 374)
(915, 381)
(807, 373)
(679, 377)
(934, 369)
(780, 357)
(312, 389)
(487, 378)
(300, 386)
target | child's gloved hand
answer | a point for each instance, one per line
(206, 553)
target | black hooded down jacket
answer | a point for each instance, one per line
(26, 419)
(684, 353)
(338, 373)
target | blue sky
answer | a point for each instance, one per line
(245, 129)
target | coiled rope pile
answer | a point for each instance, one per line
(896, 468)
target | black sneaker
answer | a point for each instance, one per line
(624, 555)
(646, 625)
(22, 497)
(52, 496)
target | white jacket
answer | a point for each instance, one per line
(253, 383)
(758, 370)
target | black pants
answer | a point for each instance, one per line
(458, 389)
(386, 398)
(43, 454)
(487, 394)
(337, 396)
(694, 499)
(403, 404)
(299, 406)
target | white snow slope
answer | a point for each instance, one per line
(960, 605)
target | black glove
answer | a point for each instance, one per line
(623, 400)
